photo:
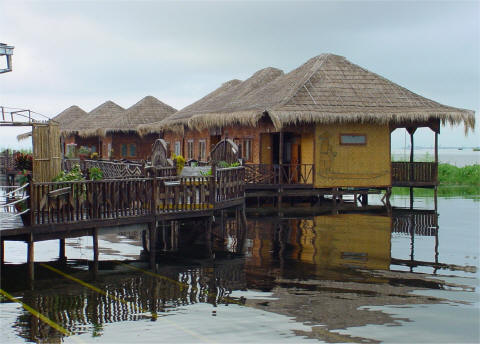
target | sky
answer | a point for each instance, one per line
(84, 53)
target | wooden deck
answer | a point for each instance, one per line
(67, 206)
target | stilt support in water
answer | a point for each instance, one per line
(95, 250)
(31, 257)
(61, 252)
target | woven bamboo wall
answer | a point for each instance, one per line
(366, 165)
(46, 152)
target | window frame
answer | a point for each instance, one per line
(352, 143)
(130, 150)
(202, 150)
(190, 149)
(177, 148)
(123, 148)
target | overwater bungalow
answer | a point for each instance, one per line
(122, 136)
(84, 131)
(111, 131)
(325, 125)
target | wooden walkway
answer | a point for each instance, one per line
(66, 206)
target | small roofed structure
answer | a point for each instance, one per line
(146, 111)
(325, 124)
(100, 117)
(111, 131)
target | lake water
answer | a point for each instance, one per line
(346, 277)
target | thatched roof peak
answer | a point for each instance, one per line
(148, 110)
(326, 89)
(100, 117)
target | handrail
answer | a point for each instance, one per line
(16, 190)
(15, 202)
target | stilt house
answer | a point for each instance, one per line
(326, 124)
(111, 131)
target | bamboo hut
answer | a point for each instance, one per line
(325, 125)
(85, 131)
(122, 136)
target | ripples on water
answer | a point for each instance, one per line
(348, 277)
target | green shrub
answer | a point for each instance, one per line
(95, 173)
(453, 175)
(74, 174)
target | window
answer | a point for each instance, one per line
(247, 150)
(93, 149)
(71, 149)
(178, 148)
(190, 149)
(202, 149)
(353, 139)
(133, 149)
(124, 150)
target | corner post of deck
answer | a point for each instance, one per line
(154, 195)
(95, 250)
(2, 251)
(213, 184)
(30, 257)
(30, 202)
(61, 251)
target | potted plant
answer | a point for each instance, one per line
(83, 153)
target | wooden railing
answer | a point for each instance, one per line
(279, 174)
(414, 173)
(230, 183)
(110, 169)
(66, 202)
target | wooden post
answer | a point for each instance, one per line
(436, 158)
(153, 245)
(2, 251)
(213, 184)
(61, 253)
(30, 257)
(95, 250)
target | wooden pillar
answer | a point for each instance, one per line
(436, 147)
(2, 251)
(30, 257)
(61, 251)
(153, 245)
(95, 250)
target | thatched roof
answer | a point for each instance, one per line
(147, 110)
(326, 89)
(66, 121)
(100, 117)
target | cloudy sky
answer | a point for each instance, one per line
(85, 53)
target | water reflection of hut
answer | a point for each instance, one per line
(345, 240)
